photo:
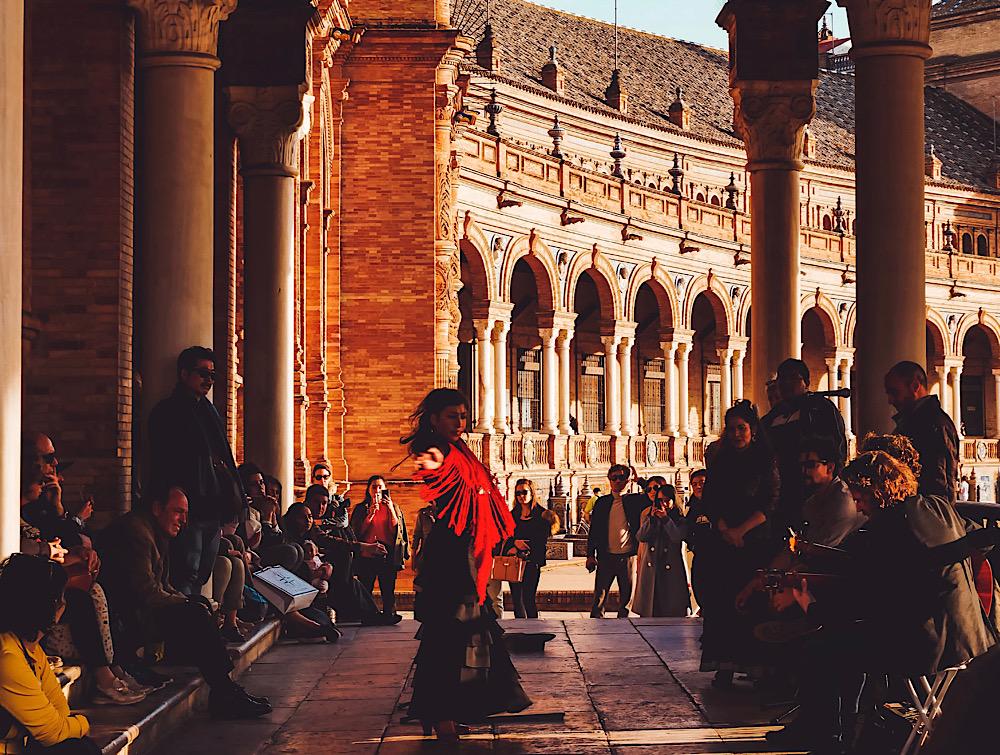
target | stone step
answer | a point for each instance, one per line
(547, 600)
(138, 729)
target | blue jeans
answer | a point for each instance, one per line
(192, 556)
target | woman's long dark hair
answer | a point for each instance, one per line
(30, 589)
(422, 436)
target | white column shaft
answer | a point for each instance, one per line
(550, 380)
(625, 371)
(670, 386)
(682, 389)
(565, 371)
(502, 406)
(612, 394)
(725, 379)
(738, 375)
(485, 378)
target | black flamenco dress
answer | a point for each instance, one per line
(463, 670)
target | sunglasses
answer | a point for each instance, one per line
(321, 476)
(520, 493)
(206, 373)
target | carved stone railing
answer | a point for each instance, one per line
(649, 451)
(980, 451)
(531, 169)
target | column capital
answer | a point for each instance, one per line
(889, 27)
(610, 342)
(175, 28)
(619, 328)
(482, 328)
(770, 117)
(732, 343)
(954, 363)
(548, 336)
(556, 319)
(492, 310)
(677, 336)
(269, 122)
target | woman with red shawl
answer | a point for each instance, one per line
(463, 671)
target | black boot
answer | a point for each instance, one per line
(231, 701)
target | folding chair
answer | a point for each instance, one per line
(927, 700)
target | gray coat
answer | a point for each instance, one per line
(661, 582)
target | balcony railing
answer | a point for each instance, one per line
(980, 451)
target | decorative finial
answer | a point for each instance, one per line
(933, 165)
(731, 192)
(677, 174)
(552, 55)
(617, 154)
(552, 76)
(557, 133)
(678, 112)
(493, 109)
(838, 218)
(949, 237)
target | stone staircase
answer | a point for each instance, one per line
(138, 729)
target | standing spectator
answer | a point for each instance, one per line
(963, 488)
(741, 493)
(189, 450)
(377, 519)
(425, 523)
(661, 583)
(921, 419)
(533, 525)
(697, 530)
(613, 542)
(136, 554)
(800, 414)
(31, 699)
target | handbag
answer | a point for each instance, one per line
(507, 568)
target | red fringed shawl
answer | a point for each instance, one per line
(474, 503)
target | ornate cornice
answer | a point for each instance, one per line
(181, 26)
(269, 122)
(771, 117)
(880, 24)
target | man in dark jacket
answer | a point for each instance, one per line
(921, 419)
(189, 449)
(613, 541)
(800, 414)
(135, 549)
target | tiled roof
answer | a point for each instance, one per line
(652, 66)
(952, 7)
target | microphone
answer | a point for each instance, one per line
(839, 393)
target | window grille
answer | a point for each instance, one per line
(591, 393)
(654, 405)
(529, 389)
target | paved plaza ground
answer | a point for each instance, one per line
(628, 687)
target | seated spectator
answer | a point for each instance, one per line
(273, 548)
(322, 475)
(318, 572)
(32, 703)
(135, 549)
(228, 580)
(83, 633)
(32, 543)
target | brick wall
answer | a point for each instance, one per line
(79, 208)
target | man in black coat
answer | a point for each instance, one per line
(189, 449)
(799, 415)
(613, 541)
(921, 419)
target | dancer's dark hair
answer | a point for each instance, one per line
(422, 435)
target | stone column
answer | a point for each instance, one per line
(484, 354)
(500, 392)
(738, 356)
(612, 392)
(11, 188)
(670, 384)
(683, 351)
(771, 117)
(832, 368)
(845, 403)
(725, 379)
(565, 373)
(176, 125)
(956, 397)
(625, 372)
(550, 381)
(269, 122)
(889, 45)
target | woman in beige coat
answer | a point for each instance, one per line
(661, 582)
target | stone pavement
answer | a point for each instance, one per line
(628, 687)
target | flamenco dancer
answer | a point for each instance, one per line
(463, 671)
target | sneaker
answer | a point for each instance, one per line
(234, 703)
(131, 682)
(148, 678)
(331, 633)
(232, 635)
(117, 694)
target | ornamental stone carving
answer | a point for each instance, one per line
(905, 21)
(771, 116)
(269, 122)
(181, 26)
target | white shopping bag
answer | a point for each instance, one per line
(284, 590)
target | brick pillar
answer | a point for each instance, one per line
(176, 201)
(11, 130)
(269, 122)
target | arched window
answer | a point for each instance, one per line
(827, 223)
(700, 197)
(982, 246)
(967, 243)
(715, 201)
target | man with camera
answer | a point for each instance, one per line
(613, 541)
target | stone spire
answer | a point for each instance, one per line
(617, 154)
(552, 75)
(679, 112)
(932, 165)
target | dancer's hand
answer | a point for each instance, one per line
(429, 460)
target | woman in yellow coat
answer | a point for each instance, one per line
(34, 714)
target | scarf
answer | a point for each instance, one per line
(473, 504)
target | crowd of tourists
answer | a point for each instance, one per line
(792, 546)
